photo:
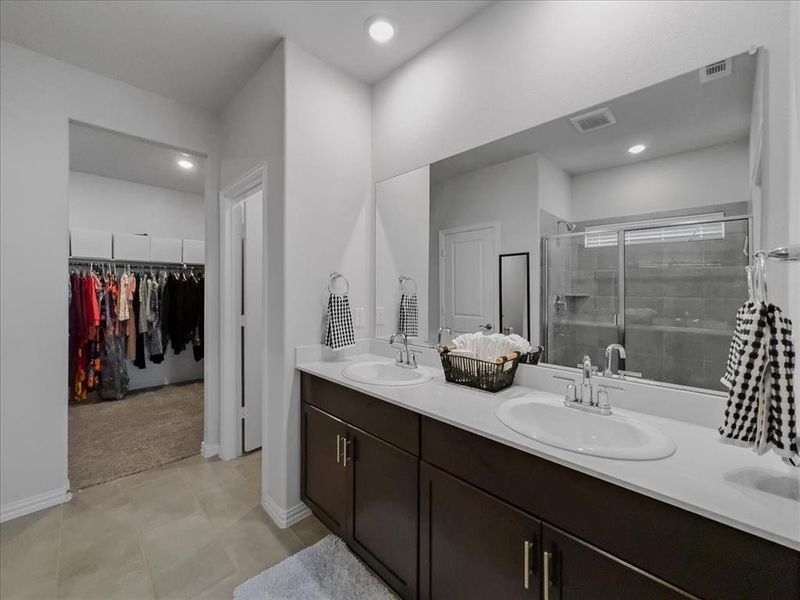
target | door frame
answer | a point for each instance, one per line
(229, 402)
(495, 227)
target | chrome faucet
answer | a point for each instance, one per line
(608, 371)
(406, 358)
(587, 393)
(441, 331)
(587, 399)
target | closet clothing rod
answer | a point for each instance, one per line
(138, 263)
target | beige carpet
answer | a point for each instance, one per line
(108, 440)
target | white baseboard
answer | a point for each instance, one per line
(209, 450)
(285, 518)
(26, 506)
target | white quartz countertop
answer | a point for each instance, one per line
(732, 485)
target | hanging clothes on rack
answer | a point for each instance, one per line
(199, 317)
(128, 316)
(154, 332)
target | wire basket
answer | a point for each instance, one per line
(481, 374)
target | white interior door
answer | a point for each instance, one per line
(252, 307)
(467, 278)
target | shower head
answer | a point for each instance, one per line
(570, 226)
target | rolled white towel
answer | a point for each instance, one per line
(519, 343)
(490, 347)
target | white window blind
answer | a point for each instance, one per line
(658, 231)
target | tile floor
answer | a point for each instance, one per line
(191, 529)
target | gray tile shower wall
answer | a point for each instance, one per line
(680, 303)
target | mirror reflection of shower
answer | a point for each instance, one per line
(569, 226)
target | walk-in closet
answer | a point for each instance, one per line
(135, 305)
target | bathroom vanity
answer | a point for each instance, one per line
(442, 500)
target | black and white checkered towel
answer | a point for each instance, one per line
(737, 345)
(761, 411)
(339, 324)
(408, 318)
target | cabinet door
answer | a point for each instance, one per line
(575, 570)
(473, 545)
(383, 509)
(324, 477)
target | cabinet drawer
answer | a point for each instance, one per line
(386, 421)
(704, 557)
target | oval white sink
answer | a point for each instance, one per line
(613, 436)
(387, 373)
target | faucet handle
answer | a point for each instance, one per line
(602, 400)
(571, 394)
(412, 358)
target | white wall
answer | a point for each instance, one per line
(794, 161)
(108, 204)
(39, 96)
(714, 175)
(506, 193)
(118, 206)
(311, 125)
(253, 133)
(519, 64)
(401, 246)
(329, 220)
(555, 188)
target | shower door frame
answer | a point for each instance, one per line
(622, 229)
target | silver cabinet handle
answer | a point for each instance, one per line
(527, 564)
(345, 442)
(338, 448)
(547, 557)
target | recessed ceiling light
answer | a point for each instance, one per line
(185, 164)
(637, 148)
(380, 29)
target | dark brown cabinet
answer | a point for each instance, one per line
(365, 490)
(476, 546)
(575, 570)
(473, 545)
(383, 509)
(439, 512)
(324, 479)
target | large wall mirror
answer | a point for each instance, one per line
(635, 219)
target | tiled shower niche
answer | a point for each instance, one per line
(681, 294)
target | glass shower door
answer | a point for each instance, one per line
(580, 299)
(683, 286)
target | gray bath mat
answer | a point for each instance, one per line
(325, 571)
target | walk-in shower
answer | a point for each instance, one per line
(666, 289)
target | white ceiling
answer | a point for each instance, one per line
(110, 154)
(203, 52)
(676, 115)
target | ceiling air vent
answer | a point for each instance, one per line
(715, 70)
(596, 119)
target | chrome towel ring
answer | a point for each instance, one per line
(404, 280)
(332, 283)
